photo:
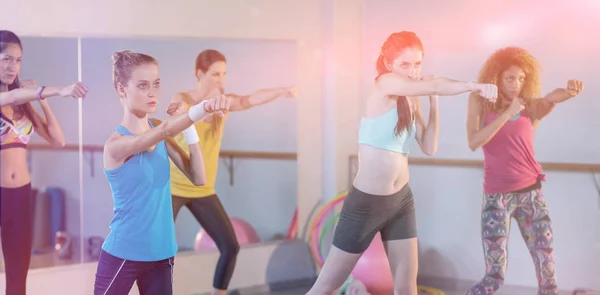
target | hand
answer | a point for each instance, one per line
(487, 91)
(31, 84)
(77, 90)
(574, 87)
(177, 108)
(290, 92)
(218, 105)
(516, 106)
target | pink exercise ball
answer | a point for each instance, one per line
(373, 269)
(244, 232)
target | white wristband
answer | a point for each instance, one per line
(198, 112)
(191, 135)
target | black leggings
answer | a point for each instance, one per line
(17, 236)
(115, 276)
(214, 220)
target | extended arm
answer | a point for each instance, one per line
(121, 147)
(25, 95)
(244, 102)
(540, 108)
(29, 92)
(395, 85)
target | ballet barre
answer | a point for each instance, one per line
(228, 156)
(547, 166)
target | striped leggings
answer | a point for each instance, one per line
(531, 212)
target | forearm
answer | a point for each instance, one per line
(482, 136)
(197, 167)
(175, 125)
(431, 134)
(265, 96)
(25, 95)
(558, 95)
(130, 145)
(543, 107)
(449, 87)
(52, 126)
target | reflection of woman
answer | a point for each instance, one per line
(512, 177)
(18, 121)
(202, 201)
(141, 244)
(381, 199)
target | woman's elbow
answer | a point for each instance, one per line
(473, 145)
(59, 143)
(199, 181)
(431, 151)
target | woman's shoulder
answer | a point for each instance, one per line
(185, 96)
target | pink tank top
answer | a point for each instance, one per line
(510, 163)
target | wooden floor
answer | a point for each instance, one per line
(49, 259)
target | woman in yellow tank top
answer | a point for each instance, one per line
(202, 201)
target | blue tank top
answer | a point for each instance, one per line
(379, 132)
(142, 228)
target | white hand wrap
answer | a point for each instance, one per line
(198, 112)
(191, 135)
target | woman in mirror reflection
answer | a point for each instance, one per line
(202, 201)
(141, 244)
(18, 122)
(381, 200)
(512, 186)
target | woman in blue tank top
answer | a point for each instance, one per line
(141, 244)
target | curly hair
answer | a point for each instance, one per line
(499, 62)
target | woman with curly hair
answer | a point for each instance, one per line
(381, 200)
(512, 177)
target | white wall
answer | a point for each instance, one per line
(448, 200)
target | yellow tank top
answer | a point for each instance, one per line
(210, 144)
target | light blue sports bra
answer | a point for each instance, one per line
(379, 132)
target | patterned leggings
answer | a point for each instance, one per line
(531, 212)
